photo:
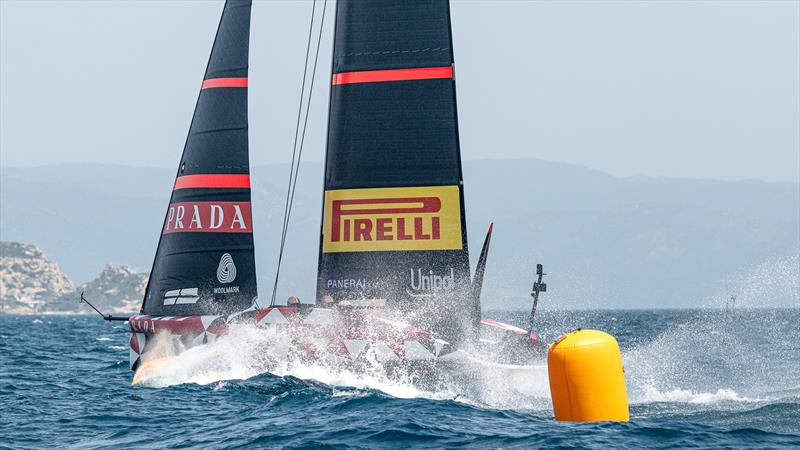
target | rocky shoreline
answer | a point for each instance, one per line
(31, 283)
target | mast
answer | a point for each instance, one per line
(205, 262)
(393, 211)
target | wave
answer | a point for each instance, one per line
(246, 351)
(709, 359)
(685, 392)
(653, 395)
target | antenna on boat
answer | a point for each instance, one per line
(538, 287)
(731, 304)
(108, 317)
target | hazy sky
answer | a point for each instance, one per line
(689, 89)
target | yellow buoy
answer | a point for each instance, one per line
(587, 381)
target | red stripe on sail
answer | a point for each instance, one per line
(375, 76)
(212, 181)
(224, 83)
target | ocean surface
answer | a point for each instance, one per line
(696, 378)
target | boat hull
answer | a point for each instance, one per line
(344, 337)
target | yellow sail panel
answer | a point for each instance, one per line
(392, 219)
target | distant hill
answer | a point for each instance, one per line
(32, 283)
(29, 281)
(605, 241)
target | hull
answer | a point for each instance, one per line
(345, 337)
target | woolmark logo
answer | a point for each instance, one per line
(385, 219)
(226, 271)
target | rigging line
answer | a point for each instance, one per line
(302, 141)
(299, 109)
(294, 145)
(294, 169)
(305, 120)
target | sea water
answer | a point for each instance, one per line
(703, 378)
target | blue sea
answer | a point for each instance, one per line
(696, 379)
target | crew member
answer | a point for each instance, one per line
(345, 303)
(293, 301)
(327, 301)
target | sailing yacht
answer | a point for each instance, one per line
(394, 275)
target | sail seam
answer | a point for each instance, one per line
(213, 130)
(220, 166)
(389, 52)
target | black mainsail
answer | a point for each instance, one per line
(205, 261)
(393, 210)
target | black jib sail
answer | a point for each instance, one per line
(205, 261)
(393, 215)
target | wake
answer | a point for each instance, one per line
(711, 360)
(247, 351)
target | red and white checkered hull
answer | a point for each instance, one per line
(345, 336)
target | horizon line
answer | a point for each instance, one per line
(622, 177)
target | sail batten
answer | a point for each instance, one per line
(393, 212)
(206, 245)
